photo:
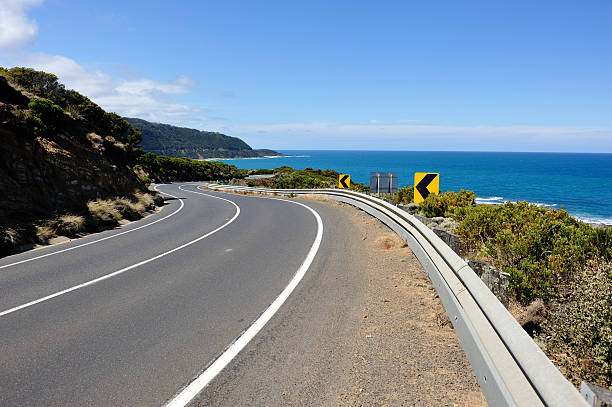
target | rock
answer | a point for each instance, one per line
(532, 316)
(412, 208)
(421, 219)
(450, 239)
(496, 280)
(449, 225)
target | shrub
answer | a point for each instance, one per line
(449, 204)
(43, 233)
(360, 187)
(539, 247)
(161, 168)
(47, 87)
(9, 238)
(46, 115)
(69, 225)
(434, 205)
(404, 195)
(104, 212)
(580, 328)
(296, 181)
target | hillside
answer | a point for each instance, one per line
(175, 141)
(59, 149)
(68, 167)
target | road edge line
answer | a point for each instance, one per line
(187, 394)
(123, 270)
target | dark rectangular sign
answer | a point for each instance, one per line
(383, 182)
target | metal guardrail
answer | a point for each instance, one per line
(510, 367)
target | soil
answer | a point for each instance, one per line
(405, 351)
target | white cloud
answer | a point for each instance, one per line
(424, 137)
(16, 29)
(140, 97)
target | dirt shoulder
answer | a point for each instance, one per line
(405, 351)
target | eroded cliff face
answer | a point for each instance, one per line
(57, 170)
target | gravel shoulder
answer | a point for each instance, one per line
(405, 351)
(365, 328)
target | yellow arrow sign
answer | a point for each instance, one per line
(344, 181)
(425, 183)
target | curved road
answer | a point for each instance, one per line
(131, 316)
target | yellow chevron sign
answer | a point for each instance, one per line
(344, 181)
(425, 183)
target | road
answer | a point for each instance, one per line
(131, 316)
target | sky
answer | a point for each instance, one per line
(351, 75)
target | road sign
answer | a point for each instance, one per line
(425, 183)
(383, 182)
(344, 181)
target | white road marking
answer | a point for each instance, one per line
(98, 240)
(123, 270)
(196, 386)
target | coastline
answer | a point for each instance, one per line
(242, 158)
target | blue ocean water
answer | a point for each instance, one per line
(580, 183)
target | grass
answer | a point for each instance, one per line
(98, 215)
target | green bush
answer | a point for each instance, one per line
(539, 247)
(449, 204)
(47, 87)
(297, 181)
(162, 168)
(434, 205)
(46, 115)
(404, 195)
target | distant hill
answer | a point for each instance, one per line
(175, 141)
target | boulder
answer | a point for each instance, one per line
(496, 280)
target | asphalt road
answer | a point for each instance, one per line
(131, 316)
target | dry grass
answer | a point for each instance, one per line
(9, 239)
(146, 200)
(69, 225)
(96, 140)
(385, 243)
(111, 211)
(104, 211)
(44, 233)
(9, 236)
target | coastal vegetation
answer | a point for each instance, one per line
(289, 178)
(158, 168)
(550, 257)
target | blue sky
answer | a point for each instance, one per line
(406, 75)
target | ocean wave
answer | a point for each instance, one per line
(494, 199)
(594, 219)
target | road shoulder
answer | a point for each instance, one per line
(364, 328)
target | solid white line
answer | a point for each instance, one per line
(98, 240)
(123, 270)
(189, 392)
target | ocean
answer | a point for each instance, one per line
(579, 183)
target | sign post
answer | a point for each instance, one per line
(383, 182)
(425, 183)
(344, 181)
